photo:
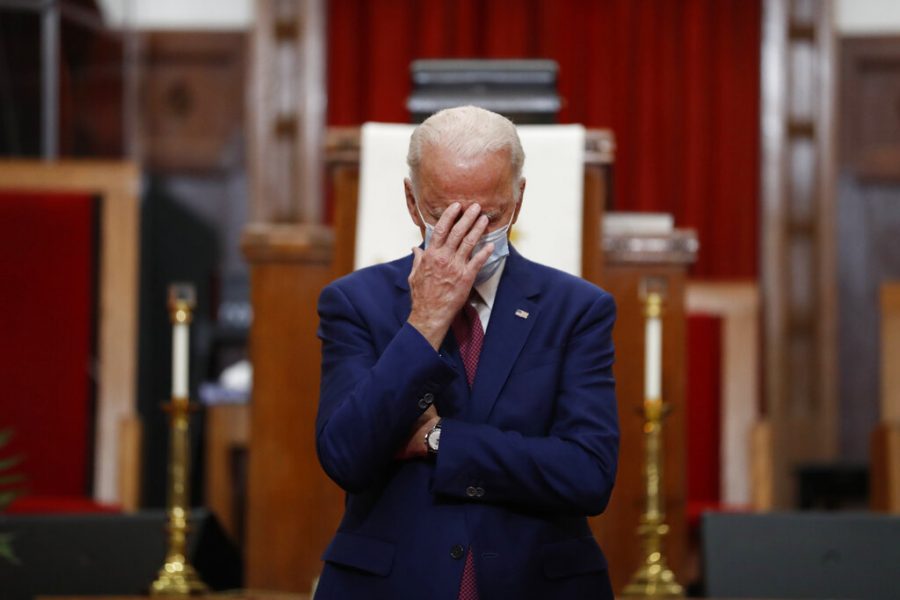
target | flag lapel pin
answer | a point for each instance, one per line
(522, 314)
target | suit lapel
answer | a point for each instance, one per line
(506, 335)
(403, 303)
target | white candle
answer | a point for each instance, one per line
(180, 360)
(652, 358)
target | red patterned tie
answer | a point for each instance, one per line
(468, 588)
(470, 336)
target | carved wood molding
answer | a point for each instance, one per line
(798, 235)
(286, 111)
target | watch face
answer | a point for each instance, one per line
(434, 439)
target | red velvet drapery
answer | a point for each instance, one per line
(47, 325)
(677, 80)
(703, 434)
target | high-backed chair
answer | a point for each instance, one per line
(69, 245)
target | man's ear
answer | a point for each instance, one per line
(411, 204)
(519, 201)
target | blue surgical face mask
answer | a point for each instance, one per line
(498, 237)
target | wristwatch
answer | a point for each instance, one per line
(433, 438)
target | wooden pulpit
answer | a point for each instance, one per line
(293, 509)
(629, 261)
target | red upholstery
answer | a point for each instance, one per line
(58, 504)
(47, 323)
(703, 417)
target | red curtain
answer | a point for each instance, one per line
(703, 412)
(676, 80)
(46, 344)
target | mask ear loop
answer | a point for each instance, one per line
(419, 211)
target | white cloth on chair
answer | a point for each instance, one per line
(549, 227)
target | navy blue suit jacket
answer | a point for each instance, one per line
(525, 455)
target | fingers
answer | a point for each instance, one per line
(475, 233)
(453, 228)
(444, 225)
(464, 226)
(479, 259)
(417, 260)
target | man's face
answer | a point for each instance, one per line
(444, 179)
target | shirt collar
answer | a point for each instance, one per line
(488, 289)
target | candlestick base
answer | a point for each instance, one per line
(653, 579)
(177, 578)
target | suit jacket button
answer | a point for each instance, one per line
(426, 400)
(479, 492)
(471, 491)
(457, 552)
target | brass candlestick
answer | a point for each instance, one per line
(653, 578)
(177, 576)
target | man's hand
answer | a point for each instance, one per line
(415, 445)
(442, 275)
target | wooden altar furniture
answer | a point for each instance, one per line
(227, 433)
(736, 303)
(630, 260)
(293, 509)
(885, 463)
(116, 465)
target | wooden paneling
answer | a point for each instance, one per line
(867, 225)
(885, 468)
(890, 352)
(227, 430)
(192, 112)
(885, 442)
(616, 529)
(116, 183)
(131, 438)
(286, 111)
(292, 508)
(870, 97)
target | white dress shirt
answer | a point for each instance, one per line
(483, 301)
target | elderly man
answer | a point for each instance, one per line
(467, 403)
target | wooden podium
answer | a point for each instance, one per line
(293, 509)
(629, 260)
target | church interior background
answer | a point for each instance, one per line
(745, 153)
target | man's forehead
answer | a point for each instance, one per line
(488, 210)
(436, 151)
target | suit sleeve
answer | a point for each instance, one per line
(573, 467)
(368, 403)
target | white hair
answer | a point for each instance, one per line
(467, 132)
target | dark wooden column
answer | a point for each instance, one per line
(797, 233)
